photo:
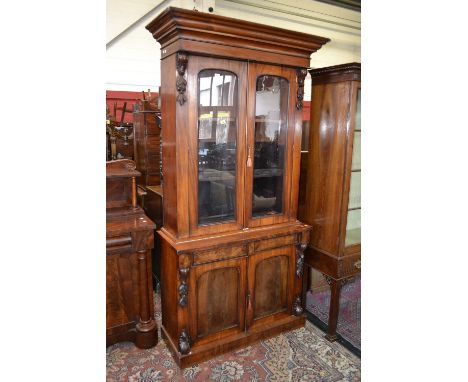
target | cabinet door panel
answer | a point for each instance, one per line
(216, 133)
(122, 300)
(271, 276)
(270, 289)
(217, 306)
(217, 299)
(270, 134)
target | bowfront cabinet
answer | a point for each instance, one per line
(232, 247)
(332, 186)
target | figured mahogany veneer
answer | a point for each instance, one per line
(325, 182)
(129, 239)
(232, 280)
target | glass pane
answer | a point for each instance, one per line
(217, 139)
(355, 191)
(356, 162)
(353, 226)
(271, 125)
(358, 111)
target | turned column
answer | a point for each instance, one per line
(147, 335)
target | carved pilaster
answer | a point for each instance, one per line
(183, 287)
(146, 329)
(300, 248)
(145, 317)
(297, 306)
(184, 342)
(301, 74)
(181, 82)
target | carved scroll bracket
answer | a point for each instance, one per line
(300, 248)
(183, 287)
(184, 342)
(342, 282)
(297, 306)
(181, 82)
(301, 74)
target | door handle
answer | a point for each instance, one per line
(249, 156)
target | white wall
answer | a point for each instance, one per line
(132, 55)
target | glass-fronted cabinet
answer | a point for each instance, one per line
(332, 184)
(231, 244)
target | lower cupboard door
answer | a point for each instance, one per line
(271, 276)
(217, 300)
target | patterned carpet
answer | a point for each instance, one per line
(299, 355)
(349, 319)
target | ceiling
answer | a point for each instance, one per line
(354, 5)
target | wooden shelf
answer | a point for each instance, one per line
(261, 120)
(268, 172)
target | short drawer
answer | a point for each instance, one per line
(119, 244)
(274, 243)
(219, 254)
(350, 265)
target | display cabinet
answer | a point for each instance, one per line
(147, 132)
(331, 190)
(147, 140)
(232, 247)
(129, 239)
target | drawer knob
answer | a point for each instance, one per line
(357, 264)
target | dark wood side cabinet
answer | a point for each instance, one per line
(332, 186)
(153, 206)
(147, 139)
(232, 247)
(129, 239)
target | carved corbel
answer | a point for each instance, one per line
(300, 248)
(342, 281)
(183, 287)
(184, 342)
(297, 306)
(301, 74)
(181, 82)
(328, 279)
(347, 280)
